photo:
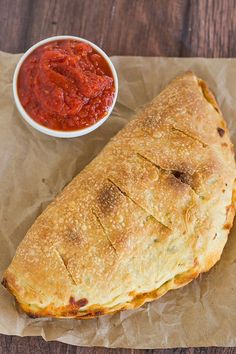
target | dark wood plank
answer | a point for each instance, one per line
(210, 28)
(120, 27)
(125, 27)
(101, 21)
(34, 345)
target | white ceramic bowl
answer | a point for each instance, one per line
(59, 133)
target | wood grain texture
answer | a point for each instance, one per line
(34, 345)
(121, 27)
(125, 27)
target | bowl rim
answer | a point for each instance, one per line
(61, 133)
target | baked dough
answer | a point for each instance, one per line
(150, 213)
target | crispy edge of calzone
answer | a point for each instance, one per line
(149, 214)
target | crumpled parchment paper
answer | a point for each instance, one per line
(35, 167)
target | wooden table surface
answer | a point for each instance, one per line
(121, 27)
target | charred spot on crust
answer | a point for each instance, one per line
(181, 176)
(108, 198)
(79, 303)
(177, 174)
(221, 132)
(215, 236)
(32, 315)
(4, 283)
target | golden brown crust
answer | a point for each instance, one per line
(72, 310)
(148, 214)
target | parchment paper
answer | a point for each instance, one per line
(34, 167)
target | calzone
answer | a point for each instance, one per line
(149, 214)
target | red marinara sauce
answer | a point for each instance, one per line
(66, 85)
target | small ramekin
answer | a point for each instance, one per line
(59, 133)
